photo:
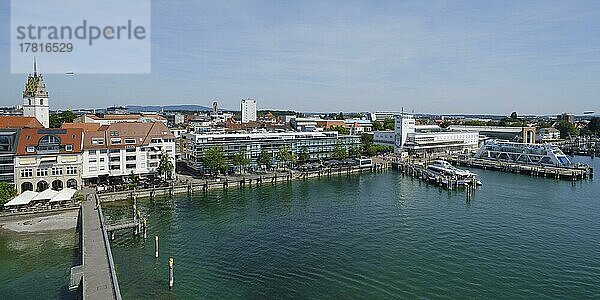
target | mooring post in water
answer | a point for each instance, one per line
(156, 246)
(170, 272)
(145, 227)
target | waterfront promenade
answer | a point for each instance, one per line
(99, 278)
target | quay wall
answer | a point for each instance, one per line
(235, 182)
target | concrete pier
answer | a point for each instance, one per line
(99, 280)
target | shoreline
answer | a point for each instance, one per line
(38, 223)
(236, 182)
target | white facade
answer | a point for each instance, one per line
(408, 136)
(404, 126)
(140, 160)
(35, 99)
(248, 110)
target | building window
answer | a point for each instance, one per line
(114, 133)
(41, 101)
(69, 148)
(115, 141)
(49, 143)
(26, 173)
(71, 170)
(103, 151)
(56, 171)
(42, 172)
(129, 141)
(30, 149)
(92, 168)
(97, 141)
(92, 159)
(92, 152)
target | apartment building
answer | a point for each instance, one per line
(48, 158)
(117, 150)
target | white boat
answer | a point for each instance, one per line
(444, 167)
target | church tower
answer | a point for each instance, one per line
(35, 98)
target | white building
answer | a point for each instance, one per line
(248, 110)
(35, 98)
(120, 149)
(410, 137)
(48, 158)
(106, 119)
(318, 145)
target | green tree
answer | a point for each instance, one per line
(354, 152)
(67, 116)
(56, 120)
(340, 129)
(304, 156)
(339, 152)
(7, 191)
(264, 159)
(389, 124)
(594, 126)
(240, 160)
(514, 115)
(566, 129)
(377, 126)
(340, 116)
(165, 166)
(214, 159)
(282, 155)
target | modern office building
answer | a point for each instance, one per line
(425, 138)
(319, 145)
(35, 98)
(120, 149)
(305, 124)
(48, 158)
(382, 115)
(248, 107)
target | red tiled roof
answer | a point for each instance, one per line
(67, 136)
(85, 126)
(19, 122)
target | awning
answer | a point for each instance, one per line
(64, 195)
(45, 195)
(22, 199)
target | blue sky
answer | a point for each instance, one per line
(427, 56)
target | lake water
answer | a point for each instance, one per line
(363, 236)
(370, 236)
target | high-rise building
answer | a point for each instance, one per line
(248, 110)
(35, 98)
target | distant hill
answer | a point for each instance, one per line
(156, 108)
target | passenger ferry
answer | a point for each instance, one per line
(445, 168)
(534, 154)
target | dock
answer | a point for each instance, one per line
(96, 277)
(566, 173)
(417, 169)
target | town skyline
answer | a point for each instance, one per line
(534, 58)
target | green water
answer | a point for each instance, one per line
(365, 236)
(370, 236)
(36, 266)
